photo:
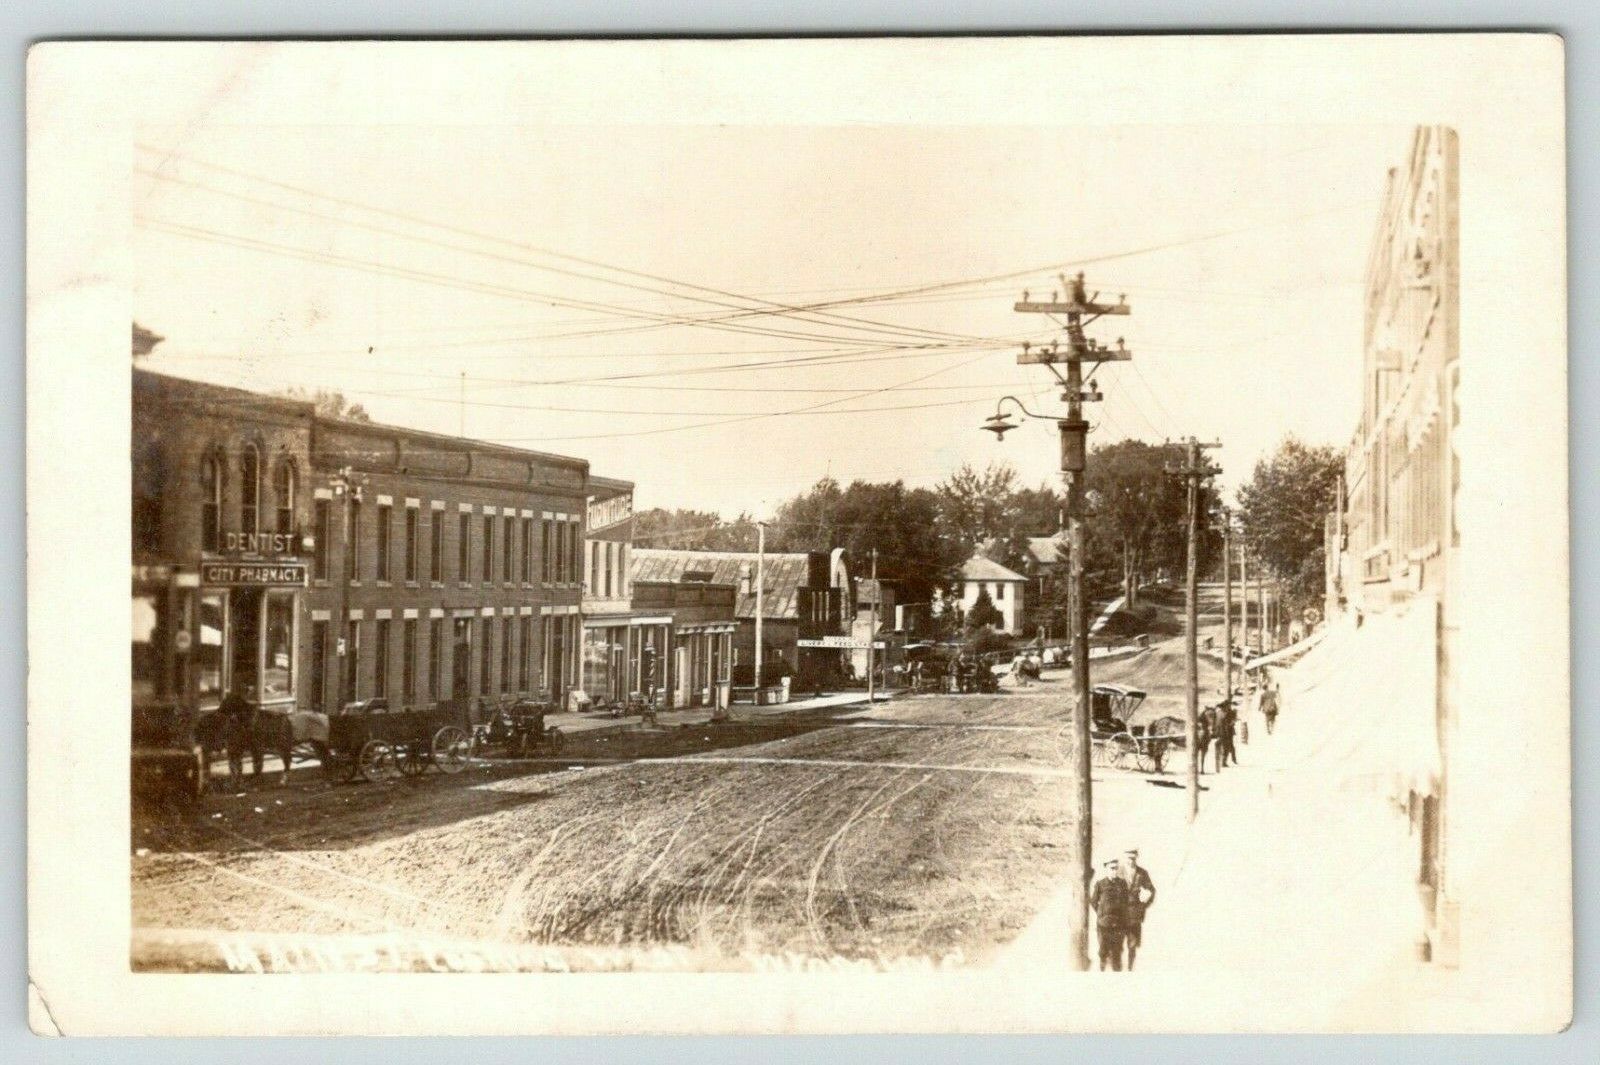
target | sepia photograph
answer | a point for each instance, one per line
(1021, 549)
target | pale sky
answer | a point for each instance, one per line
(1240, 249)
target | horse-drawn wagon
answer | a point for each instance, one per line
(379, 743)
(1121, 745)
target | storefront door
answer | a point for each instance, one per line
(461, 660)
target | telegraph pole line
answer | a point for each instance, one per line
(1079, 310)
(872, 633)
(1227, 603)
(1194, 470)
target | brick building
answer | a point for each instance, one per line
(319, 560)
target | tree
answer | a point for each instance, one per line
(1283, 510)
(1137, 514)
(984, 613)
(915, 554)
(693, 530)
(328, 403)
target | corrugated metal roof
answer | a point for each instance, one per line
(785, 575)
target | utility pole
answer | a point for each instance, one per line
(346, 485)
(1261, 604)
(1227, 603)
(872, 632)
(761, 586)
(1193, 471)
(1080, 309)
(1244, 611)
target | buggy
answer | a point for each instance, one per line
(1119, 745)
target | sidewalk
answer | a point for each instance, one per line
(1286, 874)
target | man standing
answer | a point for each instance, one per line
(1226, 720)
(1109, 897)
(1141, 892)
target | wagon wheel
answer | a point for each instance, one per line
(1124, 751)
(451, 749)
(412, 759)
(554, 740)
(1102, 753)
(376, 761)
(1152, 754)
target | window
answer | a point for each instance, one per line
(284, 485)
(436, 548)
(319, 666)
(324, 530)
(546, 571)
(594, 567)
(352, 658)
(999, 593)
(352, 541)
(527, 550)
(208, 660)
(435, 658)
(380, 660)
(411, 543)
(505, 654)
(464, 549)
(509, 524)
(526, 650)
(574, 553)
(250, 489)
(149, 485)
(486, 664)
(277, 676)
(211, 502)
(488, 548)
(611, 565)
(384, 513)
(408, 660)
(150, 639)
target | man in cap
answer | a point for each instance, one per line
(1141, 893)
(1109, 897)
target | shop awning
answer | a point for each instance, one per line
(710, 628)
(1294, 650)
(1364, 702)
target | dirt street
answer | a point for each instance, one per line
(927, 828)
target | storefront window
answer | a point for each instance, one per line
(208, 656)
(597, 661)
(277, 674)
(149, 643)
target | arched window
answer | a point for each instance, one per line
(250, 489)
(211, 501)
(149, 485)
(285, 482)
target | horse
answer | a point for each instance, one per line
(258, 732)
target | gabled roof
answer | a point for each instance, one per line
(1047, 549)
(785, 574)
(979, 568)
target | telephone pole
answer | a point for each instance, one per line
(1227, 603)
(1080, 309)
(872, 632)
(761, 586)
(1193, 471)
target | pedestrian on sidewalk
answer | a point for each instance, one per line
(1227, 721)
(1141, 895)
(1269, 704)
(1205, 727)
(1109, 898)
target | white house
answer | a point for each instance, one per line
(1007, 590)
